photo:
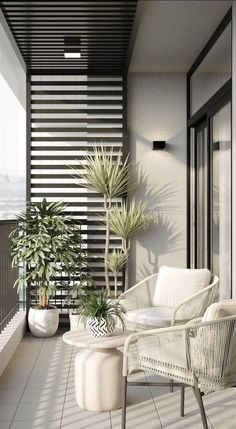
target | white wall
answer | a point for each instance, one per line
(12, 125)
(157, 111)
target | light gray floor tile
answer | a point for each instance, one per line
(4, 424)
(220, 408)
(75, 418)
(43, 410)
(10, 396)
(15, 369)
(43, 395)
(168, 406)
(7, 411)
(13, 381)
(52, 381)
(37, 423)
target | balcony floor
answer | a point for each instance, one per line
(36, 392)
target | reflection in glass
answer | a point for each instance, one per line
(213, 72)
(202, 197)
(221, 198)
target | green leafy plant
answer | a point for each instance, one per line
(101, 307)
(125, 221)
(47, 244)
(116, 260)
(105, 173)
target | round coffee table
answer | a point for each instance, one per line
(98, 369)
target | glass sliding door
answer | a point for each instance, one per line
(201, 212)
(210, 201)
(220, 124)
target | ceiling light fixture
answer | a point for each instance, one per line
(72, 47)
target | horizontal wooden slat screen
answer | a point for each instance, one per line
(69, 116)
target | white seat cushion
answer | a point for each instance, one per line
(151, 316)
(174, 285)
(220, 309)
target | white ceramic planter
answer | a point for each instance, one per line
(43, 323)
(75, 323)
(99, 327)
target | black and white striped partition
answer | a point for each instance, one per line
(69, 116)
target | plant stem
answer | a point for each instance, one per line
(116, 278)
(126, 248)
(107, 208)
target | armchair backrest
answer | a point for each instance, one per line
(212, 353)
(175, 285)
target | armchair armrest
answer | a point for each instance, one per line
(204, 352)
(196, 305)
(140, 295)
(146, 347)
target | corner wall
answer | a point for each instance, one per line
(157, 111)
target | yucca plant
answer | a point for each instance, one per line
(46, 243)
(116, 260)
(125, 221)
(103, 309)
(105, 173)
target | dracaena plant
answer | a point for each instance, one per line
(106, 173)
(125, 220)
(116, 260)
(47, 244)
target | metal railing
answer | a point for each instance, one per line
(9, 301)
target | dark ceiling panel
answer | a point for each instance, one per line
(104, 28)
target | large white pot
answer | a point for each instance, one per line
(43, 322)
(75, 323)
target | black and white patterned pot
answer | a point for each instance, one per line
(100, 327)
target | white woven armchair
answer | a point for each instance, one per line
(172, 296)
(199, 355)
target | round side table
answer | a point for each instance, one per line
(98, 369)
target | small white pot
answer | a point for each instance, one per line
(99, 327)
(43, 322)
(75, 323)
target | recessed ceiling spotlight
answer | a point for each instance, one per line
(72, 47)
(76, 54)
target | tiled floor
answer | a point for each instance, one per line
(36, 392)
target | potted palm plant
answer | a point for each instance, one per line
(105, 173)
(46, 244)
(116, 260)
(101, 314)
(125, 221)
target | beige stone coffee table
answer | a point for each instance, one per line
(98, 369)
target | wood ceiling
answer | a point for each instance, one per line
(104, 28)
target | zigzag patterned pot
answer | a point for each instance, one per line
(99, 327)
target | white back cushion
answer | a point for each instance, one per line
(220, 309)
(174, 285)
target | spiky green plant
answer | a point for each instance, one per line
(101, 307)
(45, 244)
(125, 221)
(115, 262)
(105, 173)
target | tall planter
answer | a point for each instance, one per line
(46, 244)
(43, 322)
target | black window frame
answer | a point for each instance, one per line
(218, 100)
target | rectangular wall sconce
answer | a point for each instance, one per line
(159, 145)
(72, 47)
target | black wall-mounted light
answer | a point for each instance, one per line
(72, 47)
(159, 145)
